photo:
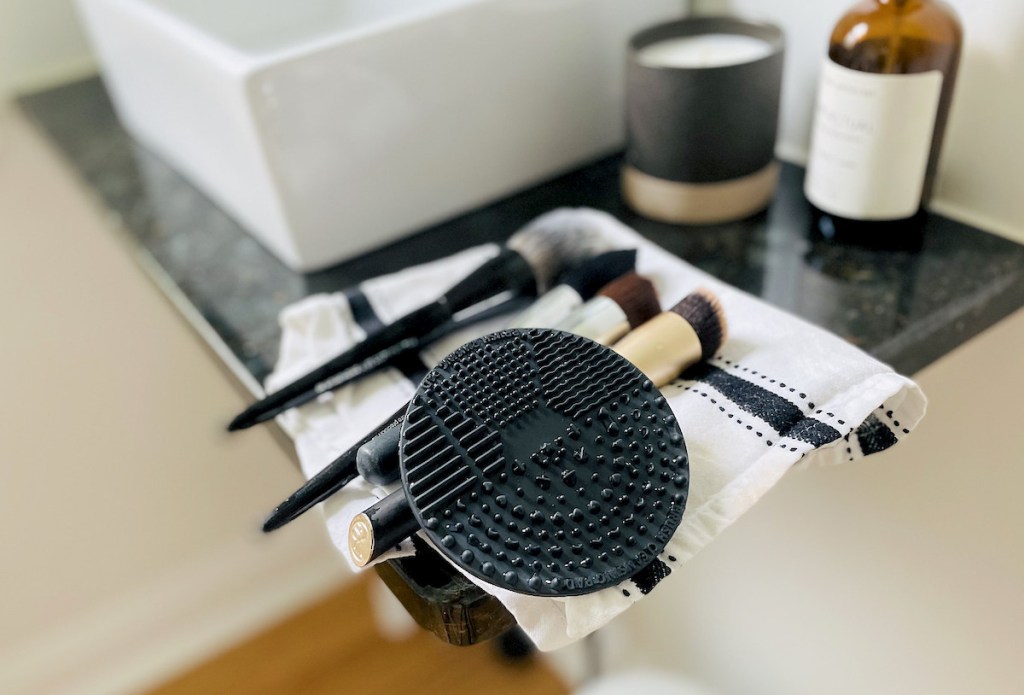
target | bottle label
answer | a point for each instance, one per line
(871, 140)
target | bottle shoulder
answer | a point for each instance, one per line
(895, 37)
(929, 20)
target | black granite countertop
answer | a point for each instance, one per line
(906, 307)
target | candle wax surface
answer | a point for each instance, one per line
(703, 51)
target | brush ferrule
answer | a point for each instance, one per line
(549, 309)
(601, 319)
(661, 348)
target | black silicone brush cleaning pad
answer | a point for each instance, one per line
(543, 463)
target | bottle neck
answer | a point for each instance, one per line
(900, 5)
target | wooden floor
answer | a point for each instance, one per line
(334, 647)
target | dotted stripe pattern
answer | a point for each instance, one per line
(782, 415)
(787, 420)
(769, 382)
(871, 436)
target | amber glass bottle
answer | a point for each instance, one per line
(883, 102)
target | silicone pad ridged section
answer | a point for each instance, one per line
(495, 383)
(543, 463)
(576, 379)
(442, 449)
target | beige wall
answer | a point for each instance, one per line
(41, 44)
(128, 517)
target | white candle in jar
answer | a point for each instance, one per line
(703, 51)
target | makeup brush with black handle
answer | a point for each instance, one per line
(528, 264)
(336, 475)
(576, 286)
(619, 306)
(396, 354)
(591, 273)
(660, 349)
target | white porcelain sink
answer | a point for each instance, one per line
(330, 127)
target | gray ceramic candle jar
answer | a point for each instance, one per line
(702, 104)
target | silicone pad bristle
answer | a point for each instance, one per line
(544, 463)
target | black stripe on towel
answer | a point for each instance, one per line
(411, 366)
(648, 578)
(873, 435)
(362, 312)
(782, 415)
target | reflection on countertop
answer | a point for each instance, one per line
(907, 308)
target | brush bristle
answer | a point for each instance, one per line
(594, 273)
(555, 243)
(702, 310)
(635, 295)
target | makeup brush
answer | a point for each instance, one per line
(396, 354)
(576, 286)
(336, 475)
(619, 307)
(692, 330)
(622, 304)
(528, 264)
(578, 283)
(661, 348)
